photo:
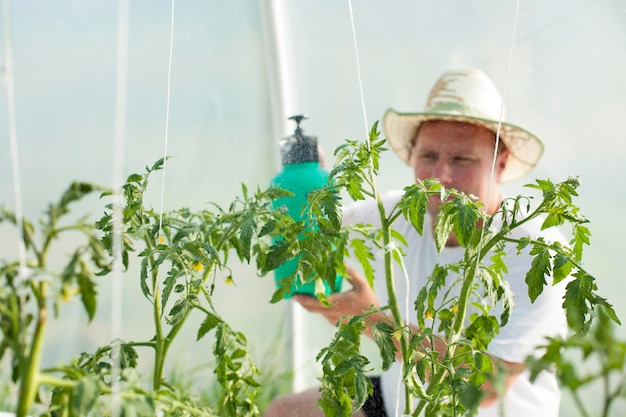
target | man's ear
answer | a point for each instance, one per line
(501, 160)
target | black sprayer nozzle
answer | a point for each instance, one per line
(298, 148)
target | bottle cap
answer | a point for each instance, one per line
(298, 148)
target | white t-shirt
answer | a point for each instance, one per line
(528, 326)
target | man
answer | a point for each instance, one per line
(460, 140)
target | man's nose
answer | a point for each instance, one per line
(444, 173)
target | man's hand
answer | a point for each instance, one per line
(345, 304)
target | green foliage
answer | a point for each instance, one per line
(316, 244)
(344, 383)
(457, 371)
(182, 254)
(27, 289)
(582, 360)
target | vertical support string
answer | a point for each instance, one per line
(504, 91)
(364, 111)
(498, 130)
(121, 99)
(497, 145)
(12, 127)
(167, 117)
(358, 68)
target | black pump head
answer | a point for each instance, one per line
(298, 148)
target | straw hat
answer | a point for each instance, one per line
(466, 95)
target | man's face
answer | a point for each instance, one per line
(460, 156)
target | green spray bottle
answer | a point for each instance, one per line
(301, 174)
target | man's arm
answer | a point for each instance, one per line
(361, 298)
(512, 369)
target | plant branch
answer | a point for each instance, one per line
(46, 379)
(159, 342)
(579, 404)
(30, 366)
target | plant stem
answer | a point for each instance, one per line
(391, 292)
(164, 346)
(457, 329)
(45, 379)
(370, 179)
(606, 386)
(579, 404)
(162, 343)
(30, 377)
(160, 347)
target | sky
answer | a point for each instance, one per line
(231, 85)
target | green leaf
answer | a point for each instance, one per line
(363, 387)
(326, 203)
(561, 267)
(482, 330)
(610, 312)
(375, 147)
(86, 391)
(344, 383)
(421, 307)
(421, 367)
(581, 237)
(578, 293)
(546, 186)
(467, 215)
(443, 227)
(180, 310)
(414, 203)
(87, 294)
(67, 275)
(75, 192)
(446, 320)
(128, 356)
(471, 396)
(508, 303)
(364, 255)
(134, 178)
(157, 165)
(169, 284)
(210, 322)
(540, 268)
(279, 253)
(552, 219)
(267, 228)
(144, 278)
(383, 336)
(282, 291)
(606, 307)
(248, 228)
(436, 280)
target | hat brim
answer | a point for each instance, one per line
(525, 148)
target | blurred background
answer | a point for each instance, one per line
(239, 69)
